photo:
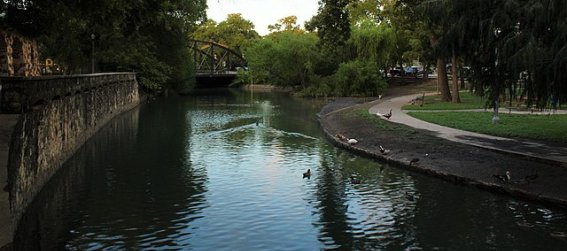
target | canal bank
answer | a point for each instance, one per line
(192, 172)
(7, 122)
(44, 121)
(425, 151)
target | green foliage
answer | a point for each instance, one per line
(332, 26)
(319, 87)
(364, 9)
(243, 77)
(358, 78)
(235, 32)
(411, 34)
(374, 42)
(288, 23)
(501, 40)
(286, 59)
(148, 37)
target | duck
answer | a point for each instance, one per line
(354, 180)
(307, 174)
(409, 197)
(383, 150)
(388, 115)
(503, 178)
(352, 141)
(341, 137)
(413, 161)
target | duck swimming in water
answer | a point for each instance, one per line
(354, 180)
(410, 197)
(307, 174)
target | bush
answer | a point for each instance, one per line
(320, 87)
(358, 78)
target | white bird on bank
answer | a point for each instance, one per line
(352, 141)
(383, 150)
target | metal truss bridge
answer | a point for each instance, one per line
(215, 60)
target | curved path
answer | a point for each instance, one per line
(536, 150)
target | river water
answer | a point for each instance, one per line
(222, 170)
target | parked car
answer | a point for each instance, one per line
(411, 70)
(396, 71)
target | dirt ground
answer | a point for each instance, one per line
(530, 179)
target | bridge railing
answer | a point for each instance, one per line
(214, 58)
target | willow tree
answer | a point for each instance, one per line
(515, 39)
(285, 59)
(539, 47)
(374, 42)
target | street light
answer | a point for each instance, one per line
(92, 52)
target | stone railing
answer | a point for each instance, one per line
(58, 114)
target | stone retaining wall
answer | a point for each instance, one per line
(18, 56)
(58, 114)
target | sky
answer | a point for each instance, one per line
(262, 12)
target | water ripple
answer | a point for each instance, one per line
(230, 177)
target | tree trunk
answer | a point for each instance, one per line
(442, 81)
(455, 79)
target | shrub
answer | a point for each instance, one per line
(358, 78)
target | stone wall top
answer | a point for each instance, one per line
(19, 94)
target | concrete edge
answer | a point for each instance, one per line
(404, 163)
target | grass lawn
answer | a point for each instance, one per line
(433, 102)
(542, 127)
(380, 123)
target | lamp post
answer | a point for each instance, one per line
(92, 52)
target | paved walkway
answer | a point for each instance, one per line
(527, 148)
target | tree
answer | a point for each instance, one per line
(288, 23)
(364, 9)
(286, 59)
(206, 31)
(332, 25)
(358, 78)
(237, 32)
(411, 37)
(234, 32)
(148, 37)
(374, 42)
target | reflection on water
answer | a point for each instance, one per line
(223, 171)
